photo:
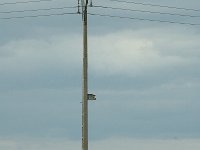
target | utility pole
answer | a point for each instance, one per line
(85, 95)
(85, 79)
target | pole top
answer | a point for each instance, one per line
(84, 3)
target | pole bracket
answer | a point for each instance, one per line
(91, 97)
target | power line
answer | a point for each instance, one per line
(144, 11)
(34, 10)
(142, 19)
(92, 14)
(101, 15)
(99, 6)
(35, 16)
(24, 2)
(156, 5)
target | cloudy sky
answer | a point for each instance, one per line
(144, 72)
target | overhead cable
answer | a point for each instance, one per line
(156, 5)
(24, 2)
(143, 19)
(144, 11)
(36, 16)
(92, 14)
(34, 10)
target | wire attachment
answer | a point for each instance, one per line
(91, 4)
(78, 7)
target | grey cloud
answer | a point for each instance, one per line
(115, 143)
(40, 113)
(144, 74)
(31, 62)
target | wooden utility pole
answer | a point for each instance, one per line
(84, 4)
(85, 95)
